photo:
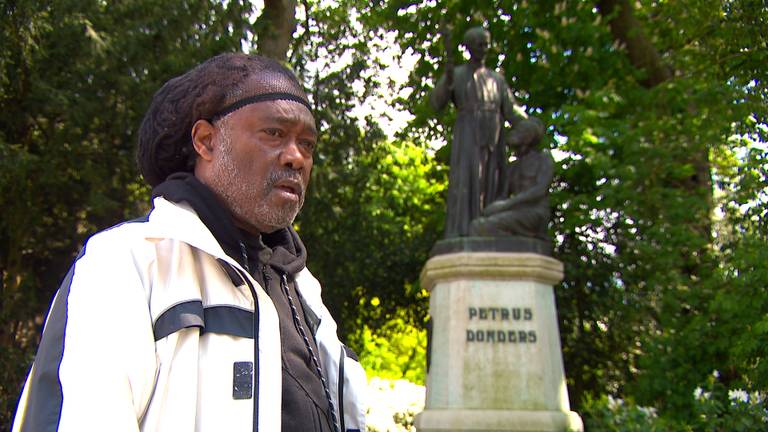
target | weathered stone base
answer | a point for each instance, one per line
(442, 420)
(495, 356)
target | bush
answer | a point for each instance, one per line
(715, 409)
(395, 351)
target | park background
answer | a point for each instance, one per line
(656, 114)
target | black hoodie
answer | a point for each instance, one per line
(271, 259)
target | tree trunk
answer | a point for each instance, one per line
(275, 27)
(627, 30)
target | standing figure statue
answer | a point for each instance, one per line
(478, 160)
(526, 210)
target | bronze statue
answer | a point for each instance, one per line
(526, 212)
(478, 157)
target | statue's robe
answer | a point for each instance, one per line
(478, 155)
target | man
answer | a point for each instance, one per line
(526, 212)
(202, 316)
(484, 102)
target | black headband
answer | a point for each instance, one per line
(258, 98)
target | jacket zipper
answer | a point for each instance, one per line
(256, 392)
(340, 391)
(256, 362)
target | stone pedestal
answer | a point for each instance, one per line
(496, 362)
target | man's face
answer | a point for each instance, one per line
(478, 45)
(263, 165)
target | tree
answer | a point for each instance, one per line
(67, 148)
(374, 207)
(75, 79)
(642, 100)
(275, 27)
(655, 108)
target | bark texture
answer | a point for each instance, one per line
(628, 30)
(275, 27)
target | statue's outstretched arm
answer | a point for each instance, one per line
(511, 111)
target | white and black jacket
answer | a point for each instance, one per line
(156, 328)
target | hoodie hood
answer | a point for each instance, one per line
(281, 249)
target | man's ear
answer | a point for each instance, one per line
(202, 139)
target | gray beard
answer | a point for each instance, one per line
(248, 202)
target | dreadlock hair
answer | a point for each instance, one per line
(212, 90)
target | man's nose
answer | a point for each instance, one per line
(291, 155)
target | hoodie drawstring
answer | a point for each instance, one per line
(315, 361)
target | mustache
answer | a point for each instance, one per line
(279, 175)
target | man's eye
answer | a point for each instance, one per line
(308, 144)
(275, 132)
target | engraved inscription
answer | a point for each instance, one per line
(501, 316)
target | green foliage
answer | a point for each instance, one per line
(659, 197)
(396, 350)
(646, 282)
(607, 414)
(369, 228)
(75, 79)
(67, 154)
(715, 408)
(375, 207)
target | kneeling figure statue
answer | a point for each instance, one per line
(526, 212)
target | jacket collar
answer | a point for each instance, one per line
(200, 220)
(178, 221)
